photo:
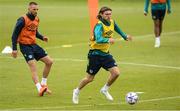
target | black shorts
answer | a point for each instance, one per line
(31, 52)
(158, 14)
(95, 62)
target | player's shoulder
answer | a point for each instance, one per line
(98, 25)
(20, 19)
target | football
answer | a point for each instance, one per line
(132, 98)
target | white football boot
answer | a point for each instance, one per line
(75, 98)
(106, 94)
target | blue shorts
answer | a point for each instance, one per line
(31, 52)
(158, 14)
(97, 61)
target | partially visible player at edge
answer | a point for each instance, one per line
(158, 11)
(99, 55)
(25, 33)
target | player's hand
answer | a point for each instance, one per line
(111, 40)
(145, 13)
(14, 53)
(168, 11)
(129, 38)
(45, 39)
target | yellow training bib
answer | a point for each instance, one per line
(108, 32)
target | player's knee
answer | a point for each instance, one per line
(157, 24)
(49, 62)
(116, 73)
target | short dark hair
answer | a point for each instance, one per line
(32, 3)
(102, 10)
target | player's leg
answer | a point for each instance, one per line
(89, 78)
(155, 17)
(40, 54)
(28, 54)
(157, 27)
(114, 74)
(33, 69)
(92, 68)
(111, 66)
(157, 31)
(156, 21)
(161, 18)
(48, 63)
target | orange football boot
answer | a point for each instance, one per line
(42, 90)
(47, 91)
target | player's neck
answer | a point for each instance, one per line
(30, 16)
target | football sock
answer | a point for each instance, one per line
(77, 90)
(44, 81)
(105, 87)
(158, 39)
(38, 85)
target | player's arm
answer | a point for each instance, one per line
(98, 31)
(120, 32)
(146, 5)
(19, 25)
(169, 6)
(39, 36)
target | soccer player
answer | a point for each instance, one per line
(25, 33)
(158, 10)
(99, 55)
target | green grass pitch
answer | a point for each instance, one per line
(156, 72)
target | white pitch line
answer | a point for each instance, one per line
(150, 65)
(119, 39)
(140, 92)
(126, 63)
(91, 105)
(160, 99)
(165, 33)
(69, 59)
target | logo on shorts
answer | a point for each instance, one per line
(30, 56)
(91, 71)
(115, 63)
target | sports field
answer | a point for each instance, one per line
(153, 71)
